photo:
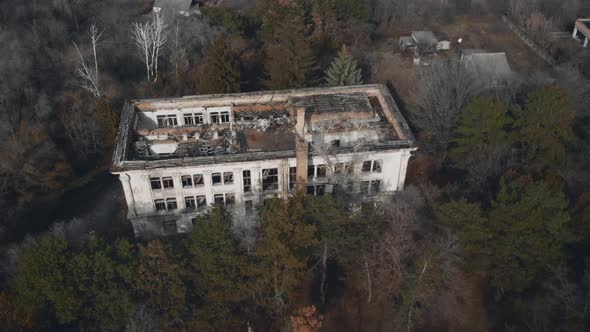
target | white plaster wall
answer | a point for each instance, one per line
(149, 120)
(141, 197)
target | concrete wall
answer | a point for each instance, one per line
(140, 197)
(148, 120)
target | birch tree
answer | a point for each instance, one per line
(88, 75)
(150, 38)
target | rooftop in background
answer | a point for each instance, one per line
(206, 129)
(491, 66)
(583, 25)
(172, 7)
(424, 37)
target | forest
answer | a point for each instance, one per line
(491, 232)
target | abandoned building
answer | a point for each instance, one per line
(583, 27)
(177, 7)
(491, 68)
(176, 157)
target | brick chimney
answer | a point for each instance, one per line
(302, 150)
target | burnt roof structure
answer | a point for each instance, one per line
(582, 26)
(221, 128)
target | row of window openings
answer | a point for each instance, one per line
(192, 119)
(270, 177)
(196, 180)
(319, 171)
(194, 202)
(200, 202)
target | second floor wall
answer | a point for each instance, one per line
(174, 189)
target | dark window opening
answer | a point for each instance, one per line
(247, 177)
(189, 203)
(366, 166)
(230, 199)
(199, 118)
(216, 178)
(321, 171)
(156, 183)
(377, 166)
(167, 121)
(160, 205)
(199, 181)
(188, 120)
(171, 204)
(219, 199)
(270, 179)
(228, 178)
(310, 171)
(292, 177)
(187, 181)
(224, 117)
(375, 186)
(201, 202)
(168, 182)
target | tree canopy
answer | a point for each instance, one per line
(219, 72)
(343, 70)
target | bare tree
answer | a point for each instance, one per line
(90, 77)
(142, 319)
(149, 38)
(442, 91)
(81, 129)
(539, 28)
(339, 166)
(244, 227)
(178, 54)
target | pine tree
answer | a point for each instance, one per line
(219, 71)
(283, 251)
(91, 285)
(344, 70)
(530, 224)
(160, 281)
(291, 62)
(483, 139)
(217, 270)
(545, 126)
(522, 234)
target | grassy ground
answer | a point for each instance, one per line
(482, 32)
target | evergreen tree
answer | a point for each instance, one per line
(545, 126)
(522, 234)
(283, 251)
(219, 72)
(103, 275)
(291, 62)
(483, 140)
(42, 284)
(343, 70)
(530, 223)
(91, 285)
(160, 281)
(217, 270)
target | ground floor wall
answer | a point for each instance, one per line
(164, 201)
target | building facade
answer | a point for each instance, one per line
(177, 157)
